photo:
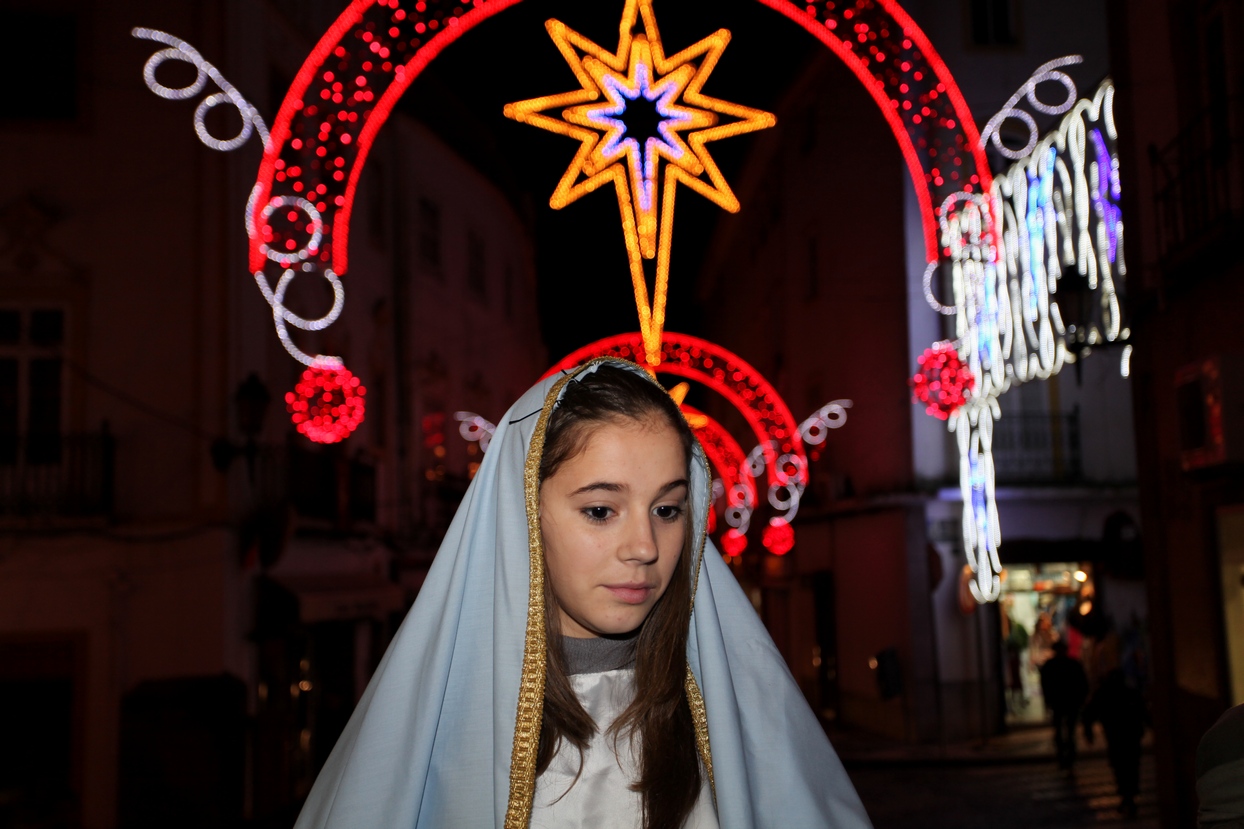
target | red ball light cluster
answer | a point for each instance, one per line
(733, 542)
(779, 537)
(327, 403)
(943, 382)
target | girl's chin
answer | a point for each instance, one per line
(616, 625)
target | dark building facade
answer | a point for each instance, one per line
(818, 282)
(193, 595)
(1180, 74)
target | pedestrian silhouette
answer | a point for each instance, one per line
(1016, 644)
(1120, 709)
(1064, 686)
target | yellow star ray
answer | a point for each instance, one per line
(645, 202)
(679, 394)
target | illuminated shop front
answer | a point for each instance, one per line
(1041, 604)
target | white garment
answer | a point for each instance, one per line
(602, 795)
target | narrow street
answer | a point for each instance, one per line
(1029, 794)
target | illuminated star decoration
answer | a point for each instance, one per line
(640, 82)
(694, 419)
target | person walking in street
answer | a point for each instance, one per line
(1016, 644)
(1064, 685)
(1041, 643)
(1120, 709)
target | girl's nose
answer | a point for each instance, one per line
(639, 543)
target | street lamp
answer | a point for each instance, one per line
(251, 406)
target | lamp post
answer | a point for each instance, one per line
(251, 406)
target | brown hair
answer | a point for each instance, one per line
(659, 715)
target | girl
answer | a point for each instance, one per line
(579, 654)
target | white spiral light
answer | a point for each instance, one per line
(252, 123)
(180, 50)
(1046, 72)
(929, 297)
(1054, 213)
(786, 492)
(474, 428)
(315, 222)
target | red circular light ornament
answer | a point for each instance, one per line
(943, 382)
(779, 537)
(733, 542)
(327, 403)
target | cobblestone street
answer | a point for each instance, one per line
(992, 795)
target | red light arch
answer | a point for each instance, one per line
(356, 73)
(694, 358)
(727, 458)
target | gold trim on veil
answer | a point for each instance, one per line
(531, 687)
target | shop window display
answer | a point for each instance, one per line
(1042, 604)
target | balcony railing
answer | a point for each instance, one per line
(1197, 181)
(1037, 449)
(57, 475)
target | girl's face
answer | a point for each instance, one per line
(614, 520)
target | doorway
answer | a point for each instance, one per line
(42, 679)
(1041, 605)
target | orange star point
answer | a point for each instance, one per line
(645, 177)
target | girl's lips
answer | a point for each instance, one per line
(630, 594)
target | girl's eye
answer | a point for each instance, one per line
(669, 512)
(597, 514)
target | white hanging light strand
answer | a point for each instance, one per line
(790, 471)
(180, 50)
(282, 316)
(1059, 215)
(1054, 213)
(476, 429)
(929, 297)
(315, 223)
(1010, 110)
(833, 415)
(297, 262)
(739, 505)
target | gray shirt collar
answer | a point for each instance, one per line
(591, 656)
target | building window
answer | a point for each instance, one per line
(25, 35)
(477, 265)
(31, 384)
(993, 23)
(430, 233)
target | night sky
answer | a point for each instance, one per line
(580, 253)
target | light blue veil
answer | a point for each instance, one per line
(432, 743)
